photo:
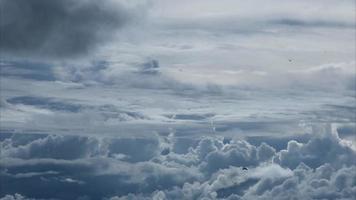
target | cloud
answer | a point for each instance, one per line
(173, 103)
(310, 23)
(27, 70)
(139, 73)
(15, 197)
(217, 156)
(53, 147)
(134, 168)
(316, 152)
(59, 29)
(44, 103)
(306, 184)
(150, 67)
(347, 131)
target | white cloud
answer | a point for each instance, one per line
(211, 169)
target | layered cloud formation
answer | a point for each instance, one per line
(165, 99)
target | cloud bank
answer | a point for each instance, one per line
(77, 167)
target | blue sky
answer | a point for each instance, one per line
(177, 78)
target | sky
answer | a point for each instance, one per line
(166, 99)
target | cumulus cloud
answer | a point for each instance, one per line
(210, 169)
(59, 28)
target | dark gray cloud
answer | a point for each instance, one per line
(150, 67)
(45, 103)
(312, 23)
(27, 70)
(347, 131)
(65, 28)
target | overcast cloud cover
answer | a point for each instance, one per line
(164, 99)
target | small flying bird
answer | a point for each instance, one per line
(244, 168)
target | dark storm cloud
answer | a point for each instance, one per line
(66, 28)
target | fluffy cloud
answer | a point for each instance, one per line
(136, 168)
(317, 152)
